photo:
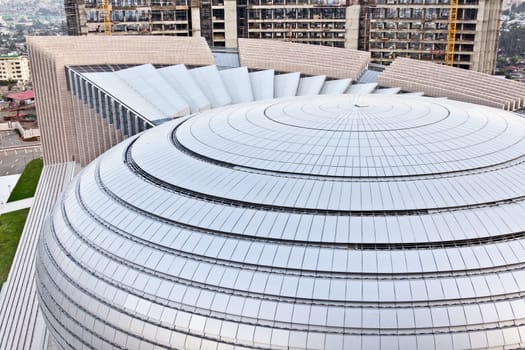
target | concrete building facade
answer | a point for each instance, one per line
(14, 68)
(308, 21)
(388, 29)
(418, 29)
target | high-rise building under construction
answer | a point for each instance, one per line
(387, 28)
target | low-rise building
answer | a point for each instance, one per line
(14, 67)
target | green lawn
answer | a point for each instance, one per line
(11, 226)
(26, 185)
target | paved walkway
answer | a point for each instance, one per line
(7, 183)
(17, 205)
(11, 139)
(14, 160)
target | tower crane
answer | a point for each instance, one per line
(451, 36)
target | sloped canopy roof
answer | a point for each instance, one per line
(21, 96)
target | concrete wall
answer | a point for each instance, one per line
(352, 27)
(195, 21)
(487, 36)
(230, 23)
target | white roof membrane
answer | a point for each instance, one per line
(238, 84)
(362, 89)
(116, 87)
(310, 86)
(147, 81)
(335, 87)
(181, 80)
(285, 85)
(209, 81)
(262, 84)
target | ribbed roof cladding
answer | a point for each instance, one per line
(357, 136)
(328, 222)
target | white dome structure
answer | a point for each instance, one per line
(321, 222)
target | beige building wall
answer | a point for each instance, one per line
(66, 127)
(352, 27)
(14, 68)
(487, 36)
(230, 23)
(281, 56)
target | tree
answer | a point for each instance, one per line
(512, 40)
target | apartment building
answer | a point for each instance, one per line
(387, 28)
(418, 29)
(308, 21)
(14, 67)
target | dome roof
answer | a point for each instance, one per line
(328, 222)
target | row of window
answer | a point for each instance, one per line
(139, 15)
(298, 13)
(129, 3)
(426, 2)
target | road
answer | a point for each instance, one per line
(15, 153)
(14, 160)
(10, 139)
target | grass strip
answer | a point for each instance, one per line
(26, 185)
(11, 226)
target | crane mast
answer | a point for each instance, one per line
(106, 15)
(451, 36)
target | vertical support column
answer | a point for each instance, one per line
(102, 122)
(486, 37)
(352, 26)
(230, 23)
(107, 122)
(74, 83)
(114, 124)
(96, 116)
(195, 21)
